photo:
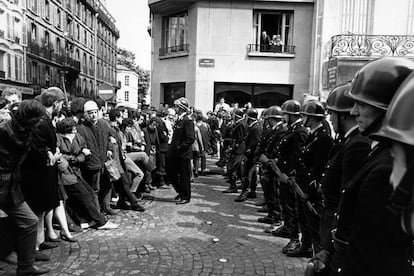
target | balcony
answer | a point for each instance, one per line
(2, 74)
(174, 51)
(258, 50)
(72, 64)
(371, 46)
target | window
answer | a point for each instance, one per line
(58, 46)
(273, 31)
(47, 10)
(173, 91)
(175, 32)
(46, 40)
(127, 96)
(126, 80)
(9, 66)
(59, 18)
(260, 95)
(33, 33)
(356, 16)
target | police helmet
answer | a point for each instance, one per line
(376, 82)
(252, 114)
(313, 108)
(337, 101)
(275, 112)
(291, 107)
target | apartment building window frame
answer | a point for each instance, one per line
(356, 16)
(278, 22)
(126, 96)
(33, 33)
(59, 17)
(175, 34)
(18, 65)
(172, 91)
(46, 10)
(126, 81)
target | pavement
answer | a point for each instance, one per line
(212, 235)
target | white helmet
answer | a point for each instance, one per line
(89, 106)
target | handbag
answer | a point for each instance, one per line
(113, 170)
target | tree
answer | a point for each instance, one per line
(127, 59)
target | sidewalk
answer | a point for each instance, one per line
(171, 239)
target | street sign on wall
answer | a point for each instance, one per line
(206, 62)
(332, 73)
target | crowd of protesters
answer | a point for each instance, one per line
(334, 190)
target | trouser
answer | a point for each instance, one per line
(313, 222)
(196, 159)
(40, 228)
(234, 168)
(203, 160)
(306, 239)
(26, 223)
(179, 172)
(81, 200)
(213, 143)
(249, 175)
(122, 187)
(289, 213)
(270, 184)
(93, 178)
(105, 191)
(138, 173)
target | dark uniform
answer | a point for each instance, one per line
(269, 180)
(237, 150)
(290, 151)
(369, 231)
(309, 174)
(345, 158)
(252, 139)
(179, 155)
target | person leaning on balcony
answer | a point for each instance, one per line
(276, 44)
(264, 42)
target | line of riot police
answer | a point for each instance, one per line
(346, 200)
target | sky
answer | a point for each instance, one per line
(132, 20)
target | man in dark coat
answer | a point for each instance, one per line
(290, 150)
(40, 174)
(97, 134)
(368, 234)
(349, 150)
(269, 180)
(179, 153)
(249, 176)
(308, 176)
(237, 150)
(14, 137)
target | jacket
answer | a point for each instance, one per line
(377, 244)
(97, 140)
(13, 147)
(183, 138)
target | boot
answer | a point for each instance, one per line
(300, 252)
(242, 197)
(137, 207)
(273, 227)
(232, 188)
(292, 244)
(282, 232)
(271, 218)
(264, 209)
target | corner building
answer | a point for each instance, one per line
(205, 50)
(71, 42)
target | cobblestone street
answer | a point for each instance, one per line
(170, 239)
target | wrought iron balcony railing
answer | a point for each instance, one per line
(350, 45)
(178, 49)
(260, 48)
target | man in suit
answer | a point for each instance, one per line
(368, 234)
(264, 42)
(179, 154)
